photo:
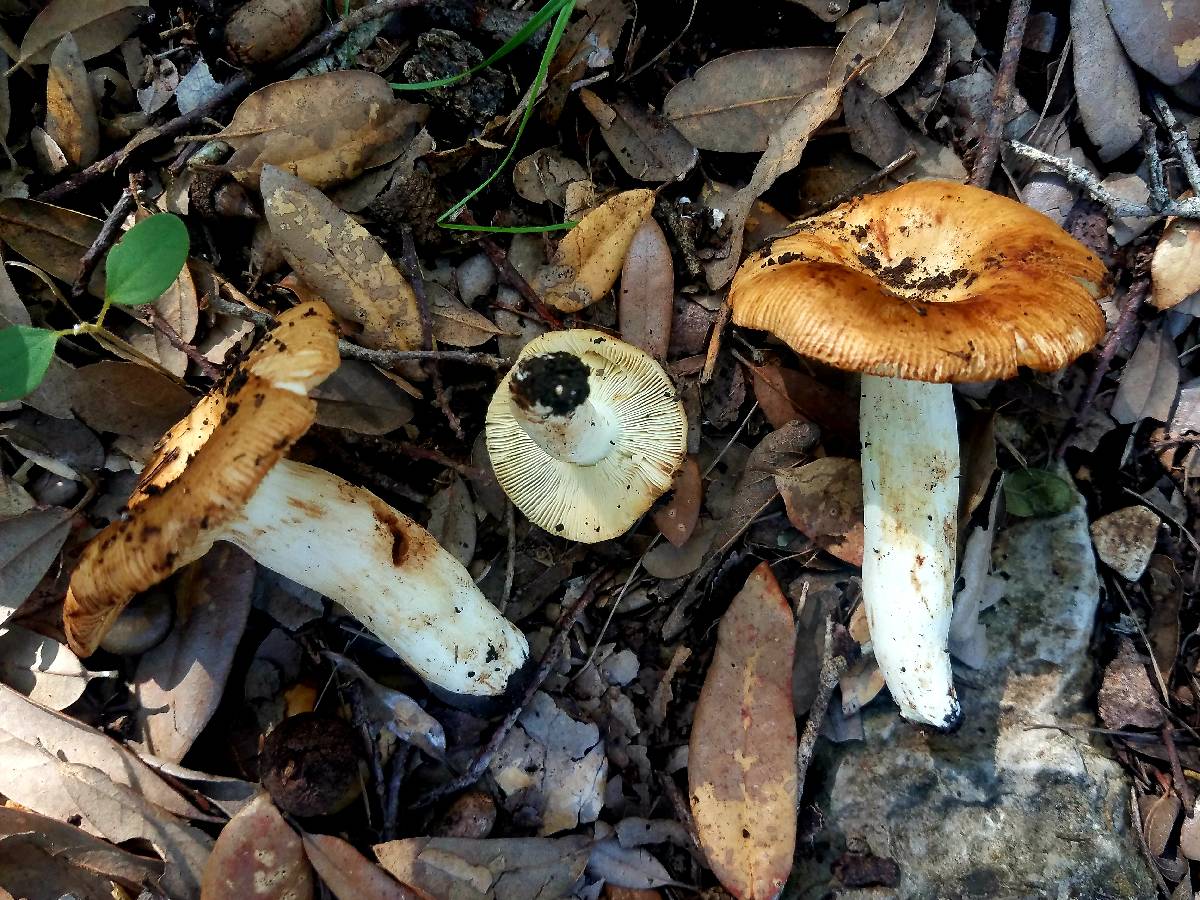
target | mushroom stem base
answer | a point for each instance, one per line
(910, 467)
(386, 570)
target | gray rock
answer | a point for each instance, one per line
(999, 809)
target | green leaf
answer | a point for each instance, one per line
(146, 261)
(1036, 494)
(25, 355)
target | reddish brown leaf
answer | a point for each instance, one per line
(824, 500)
(648, 291)
(742, 770)
(257, 855)
(676, 518)
(785, 394)
(348, 874)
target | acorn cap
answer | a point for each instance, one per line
(591, 503)
(933, 281)
(203, 472)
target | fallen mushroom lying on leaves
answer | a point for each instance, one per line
(220, 475)
(928, 284)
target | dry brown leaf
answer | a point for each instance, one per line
(590, 41)
(858, 50)
(452, 520)
(70, 107)
(33, 738)
(129, 399)
(340, 260)
(896, 46)
(647, 303)
(544, 174)
(121, 814)
(179, 683)
(324, 129)
(348, 874)
(41, 668)
(860, 684)
(742, 769)
(455, 323)
(824, 501)
(786, 394)
(676, 517)
(647, 147)
(588, 259)
(1105, 84)
(1175, 266)
(266, 31)
(34, 873)
(1162, 38)
(735, 102)
(1149, 381)
(1127, 696)
(1125, 538)
(98, 26)
(29, 543)
(877, 133)
(360, 398)
(669, 561)
(50, 237)
(179, 308)
(257, 855)
(1167, 596)
(497, 869)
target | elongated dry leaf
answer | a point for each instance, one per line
(348, 874)
(676, 518)
(179, 683)
(360, 398)
(1175, 266)
(70, 106)
(120, 813)
(734, 103)
(742, 768)
(647, 303)
(31, 872)
(1106, 85)
(179, 308)
(824, 500)
(50, 237)
(588, 259)
(98, 26)
(29, 543)
(647, 147)
(41, 668)
(627, 867)
(32, 738)
(80, 848)
(491, 869)
(455, 323)
(897, 45)
(257, 855)
(340, 260)
(452, 520)
(325, 129)
(129, 399)
(877, 133)
(1150, 380)
(858, 50)
(786, 394)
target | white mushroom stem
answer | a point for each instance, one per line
(910, 469)
(386, 570)
(583, 436)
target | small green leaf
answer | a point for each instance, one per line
(1036, 494)
(146, 261)
(25, 355)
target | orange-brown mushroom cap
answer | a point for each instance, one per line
(933, 281)
(203, 472)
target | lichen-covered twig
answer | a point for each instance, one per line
(833, 664)
(1179, 141)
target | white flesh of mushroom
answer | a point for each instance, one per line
(910, 469)
(386, 570)
(583, 436)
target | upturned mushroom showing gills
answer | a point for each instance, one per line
(931, 283)
(585, 433)
(220, 475)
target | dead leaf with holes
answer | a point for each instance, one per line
(325, 129)
(587, 261)
(342, 263)
(742, 770)
(258, 855)
(824, 501)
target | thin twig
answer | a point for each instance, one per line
(163, 327)
(232, 88)
(714, 341)
(385, 359)
(109, 232)
(391, 805)
(554, 651)
(832, 667)
(1179, 141)
(1181, 786)
(1006, 74)
(862, 186)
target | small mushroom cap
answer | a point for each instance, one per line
(933, 281)
(203, 472)
(591, 503)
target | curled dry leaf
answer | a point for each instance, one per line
(98, 26)
(587, 260)
(70, 106)
(496, 869)
(348, 874)
(647, 147)
(676, 518)
(340, 260)
(324, 129)
(257, 855)
(742, 770)
(824, 500)
(1175, 266)
(179, 683)
(647, 303)
(733, 103)
(265, 31)
(543, 176)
